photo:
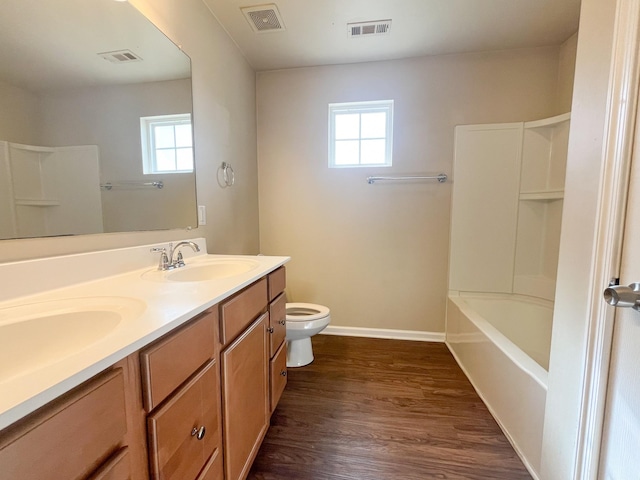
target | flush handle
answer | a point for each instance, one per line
(621, 296)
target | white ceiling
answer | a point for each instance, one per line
(316, 30)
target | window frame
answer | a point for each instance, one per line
(385, 106)
(149, 163)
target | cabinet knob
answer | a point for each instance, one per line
(198, 432)
(282, 322)
(270, 329)
(283, 373)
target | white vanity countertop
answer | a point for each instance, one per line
(163, 306)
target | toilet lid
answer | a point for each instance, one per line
(305, 312)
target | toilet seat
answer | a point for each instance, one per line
(305, 312)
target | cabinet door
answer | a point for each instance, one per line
(277, 323)
(176, 451)
(71, 438)
(245, 398)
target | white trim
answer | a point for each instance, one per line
(384, 333)
(620, 131)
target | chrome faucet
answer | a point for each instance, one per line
(167, 260)
(178, 261)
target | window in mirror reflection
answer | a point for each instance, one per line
(167, 144)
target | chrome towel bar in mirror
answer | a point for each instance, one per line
(441, 178)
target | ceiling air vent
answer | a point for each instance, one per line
(369, 29)
(264, 18)
(121, 56)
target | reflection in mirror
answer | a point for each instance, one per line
(95, 121)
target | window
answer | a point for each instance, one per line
(360, 134)
(167, 144)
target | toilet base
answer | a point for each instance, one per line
(299, 352)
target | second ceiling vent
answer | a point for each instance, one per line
(264, 18)
(368, 29)
(121, 56)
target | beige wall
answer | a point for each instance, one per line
(224, 116)
(18, 115)
(377, 254)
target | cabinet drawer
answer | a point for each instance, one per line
(175, 357)
(116, 468)
(237, 313)
(277, 282)
(70, 439)
(175, 451)
(277, 323)
(213, 469)
(278, 376)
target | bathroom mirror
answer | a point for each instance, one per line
(79, 82)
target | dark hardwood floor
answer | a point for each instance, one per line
(369, 409)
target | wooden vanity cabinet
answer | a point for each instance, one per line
(163, 411)
(276, 281)
(82, 434)
(181, 392)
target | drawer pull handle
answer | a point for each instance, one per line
(270, 329)
(198, 432)
(283, 373)
(282, 322)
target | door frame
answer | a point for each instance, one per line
(620, 137)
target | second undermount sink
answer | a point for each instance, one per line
(37, 334)
(205, 270)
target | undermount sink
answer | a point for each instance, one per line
(204, 271)
(37, 334)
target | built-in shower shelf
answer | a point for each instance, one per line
(542, 195)
(549, 122)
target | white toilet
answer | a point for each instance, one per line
(304, 320)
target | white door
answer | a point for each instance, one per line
(620, 453)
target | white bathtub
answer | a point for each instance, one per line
(502, 344)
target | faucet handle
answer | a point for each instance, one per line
(179, 262)
(164, 259)
(164, 262)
